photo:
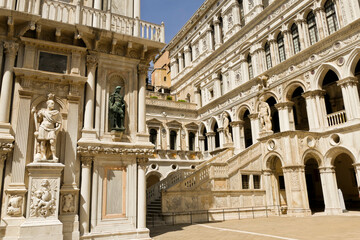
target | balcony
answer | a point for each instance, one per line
(336, 118)
(79, 15)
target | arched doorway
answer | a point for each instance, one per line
(346, 181)
(313, 185)
(151, 180)
(274, 114)
(278, 184)
(299, 109)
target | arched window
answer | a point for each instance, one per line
(331, 16)
(312, 28)
(250, 67)
(173, 135)
(205, 140)
(295, 38)
(268, 55)
(217, 136)
(191, 141)
(281, 46)
(153, 136)
(242, 18)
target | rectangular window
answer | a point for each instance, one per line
(281, 183)
(164, 79)
(114, 192)
(257, 183)
(245, 181)
(52, 62)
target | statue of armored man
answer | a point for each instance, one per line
(117, 110)
(47, 124)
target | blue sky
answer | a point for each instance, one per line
(174, 13)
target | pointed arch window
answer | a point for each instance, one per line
(268, 55)
(281, 46)
(312, 28)
(295, 38)
(250, 67)
(331, 17)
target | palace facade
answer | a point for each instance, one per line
(268, 113)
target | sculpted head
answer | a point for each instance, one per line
(50, 104)
(118, 89)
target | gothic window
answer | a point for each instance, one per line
(312, 28)
(295, 38)
(250, 67)
(245, 181)
(173, 136)
(191, 141)
(268, 55)
(331, 16)
(153, 136)
(281, 46)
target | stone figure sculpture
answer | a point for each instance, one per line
(117, 110)
(265, 116)
(14, 205)
(68, 203)
(42, 201)
(226, 124)
(47, 123)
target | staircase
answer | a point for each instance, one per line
(154, 213)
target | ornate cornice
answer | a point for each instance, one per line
(122, 151)
(6, 147)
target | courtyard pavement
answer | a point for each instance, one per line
(318, 226)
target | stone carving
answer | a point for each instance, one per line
(43, 202)
(265, 116)
(68, 205)
(14, 205)
(117, 110)
(226, 124)
(47, 123)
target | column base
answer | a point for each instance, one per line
(37, 229)
(333, 211)
(88, 134)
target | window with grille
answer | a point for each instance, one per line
(295, 37)
(268, 55)
(281, 46)
(245, 181)
(331, 16)
(250, 67)
(257, 184)
(312, 28)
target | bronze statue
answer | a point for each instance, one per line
(117, 110)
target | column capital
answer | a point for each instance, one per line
(187, 49)
(313, 93)
(253, 116)
(86, 161)
(209, 134)
(180, 56)
(216, 20)
(319, 9)
(143, 68)
(91, 61)
(237, 123)
(327, 169)
(215, 76)
(284, 105)
(267, 172)
(11, 48)
(173, 61)
(349, 81)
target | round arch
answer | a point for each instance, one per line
(241, 110)
(291, 87)
(269, 157)
(332, 153)
(322, 71)
(213, 120)
(312, 154)
(351, 62)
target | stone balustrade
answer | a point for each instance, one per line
(86, 16)
(336, 118)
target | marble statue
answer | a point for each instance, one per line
(117, 110)
(264, 115)
(43, 201)
(226, 124)
(47, 123)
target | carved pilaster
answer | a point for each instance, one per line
(91, 61)
(11, 48)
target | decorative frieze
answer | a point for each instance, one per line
(96, 150)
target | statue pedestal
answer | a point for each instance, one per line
(43, 202)
(265, 133)
(116, 135)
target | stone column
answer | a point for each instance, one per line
(158, 139)
(187, 52)
(237, 131)
(11, 49)
(197, 148)
(217, 32)
(3, 157)
(348, 7)
(357, 171)
(236, 15)
(209, 33)
(167, 138)
(198, 97)
(141, 204)
(287, 43)
(330, 190)
(181, 61)
(136, 8)
(315, 107)
(174, 67)
(221, 136)
(268, 188)
(302, 35)
(244, 68)
(142, 72)
(321, 25)
(350, 97)
(211, 141)
(85, 194)
(286, 116)
(273, 51)
(88, 130)
(254, 119)
(217, 85)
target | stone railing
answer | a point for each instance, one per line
(170, 104)
(77, 14)
(154, 191)
(336, 118)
